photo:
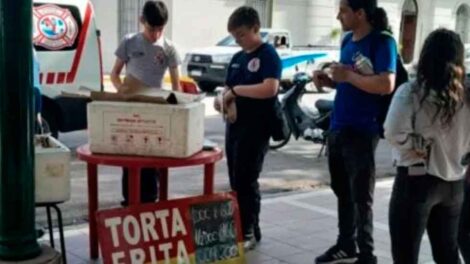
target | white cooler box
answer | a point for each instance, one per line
(146, 129)
(52, 173)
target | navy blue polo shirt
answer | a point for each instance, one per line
(354, 108)
(249, 69)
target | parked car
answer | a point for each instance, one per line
(208, 66)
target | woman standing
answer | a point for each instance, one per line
(428, 124)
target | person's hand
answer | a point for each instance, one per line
(321, 79)
(420, 154)
(122, 89)
(340, 73)
(230, 111)
(229, 97)
(218, 100)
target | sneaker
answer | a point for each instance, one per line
(249, 242)
(366, 260)
(257, 233)
(337, 255)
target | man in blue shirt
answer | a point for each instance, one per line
(365, 73)
(252, 83)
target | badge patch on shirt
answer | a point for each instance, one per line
(254, 64)
(160, 57)
(137, 54)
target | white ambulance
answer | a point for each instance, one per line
(69, 53)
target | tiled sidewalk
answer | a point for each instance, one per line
(296, 228)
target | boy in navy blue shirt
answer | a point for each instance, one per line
(366, 72)
(252, 83)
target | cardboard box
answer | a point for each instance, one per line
(52, 172)
(146, 129)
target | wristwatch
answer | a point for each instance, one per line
(231, 88)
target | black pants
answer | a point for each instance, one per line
(148, 185)
(352, 168)
(246, 147)
(420, 203)
(464, 232)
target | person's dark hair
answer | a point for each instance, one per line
(243, 16)
(376, 16)
(441, 74)
(155, 13)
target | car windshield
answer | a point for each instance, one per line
(230, 41)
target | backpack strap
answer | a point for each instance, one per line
(377, 37)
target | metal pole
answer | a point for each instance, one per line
(17, 214)
(270, 9)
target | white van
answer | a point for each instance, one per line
(69, 53)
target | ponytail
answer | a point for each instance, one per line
(377, 16)
(379, 20)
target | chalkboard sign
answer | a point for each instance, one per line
(214, 232)
(199, 230)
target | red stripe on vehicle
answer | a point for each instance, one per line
(61, 77)
(81, 44)
(50, 78)
(41, 75)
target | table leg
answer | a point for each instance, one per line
(134, 185)
(163, 182)
(209, 170)
(92, 177)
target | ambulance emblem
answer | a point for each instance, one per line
(254, 65)
(54, 27)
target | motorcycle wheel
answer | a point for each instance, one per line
(273, 145)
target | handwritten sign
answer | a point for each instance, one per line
(201, 230)
(214, 232)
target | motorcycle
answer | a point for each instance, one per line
(310, 124)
